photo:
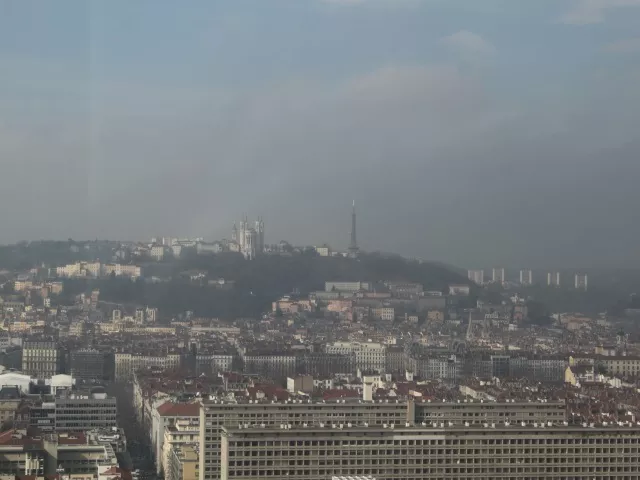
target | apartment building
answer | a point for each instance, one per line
(476, 276)
(498, 275)
(487, 412)
(126, 364)
(553, 279)
(618, 365)
(213, 362)
(444, 367)
(580, 281)
(367, 356)
(526, 277)
(79, 269)
(272, 364)
(182, 433)
(41, 358)
(131, 271)
(172, 414)
(79, 412)
(75, 455)
(183, 464)
(386, 314)
(507, 451)
(88, 365)
(323, 363)
(216, 414)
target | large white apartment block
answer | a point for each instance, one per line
(526, 277)
(580, 281)
(430, 452)
(476, 276)
(498, 275)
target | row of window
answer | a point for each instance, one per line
(579, 442)
(456, 472)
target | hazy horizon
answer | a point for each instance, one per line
(471, 133)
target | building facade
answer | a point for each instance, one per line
(526, 277)
(75, 413)
(476, 276)
(580, 281)
(41, 358)
(216, 414)
(476, 452)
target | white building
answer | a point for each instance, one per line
(526, 277)
(151, 315)
(580, 281)
(553, 279)
(79, 269)
(461, 290)
(15, 379)
(476, 276)
(203, 248)
(60, 382)
(498, 275)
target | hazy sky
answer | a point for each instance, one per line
(472, 132)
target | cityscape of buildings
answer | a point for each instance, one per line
(355, 378)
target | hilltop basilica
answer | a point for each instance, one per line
(249, 240)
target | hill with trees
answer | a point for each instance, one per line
(257, 282)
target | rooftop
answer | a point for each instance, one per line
(170, 409)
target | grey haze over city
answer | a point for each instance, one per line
(474, 133)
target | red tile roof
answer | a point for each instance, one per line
(170, 409)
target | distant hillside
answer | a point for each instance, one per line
(280, 275)
(261, 281)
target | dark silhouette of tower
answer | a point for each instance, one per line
(353, 245)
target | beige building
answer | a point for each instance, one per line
(183, 463)
(386, 314)
(182, 433)
(132, 271)
(79, 269)
(127, 363)
(323, 251)
(506, 451)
